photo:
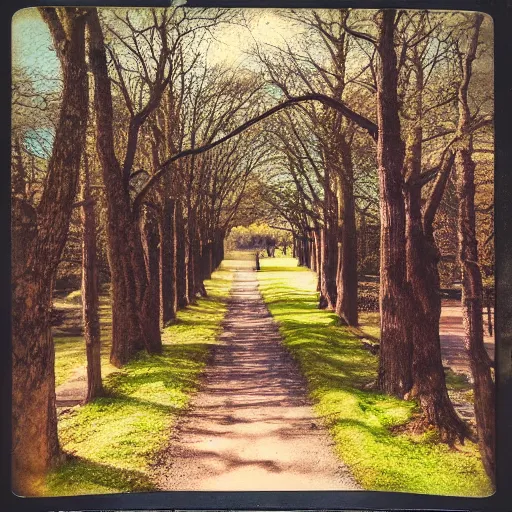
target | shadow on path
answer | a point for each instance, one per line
(251, 426)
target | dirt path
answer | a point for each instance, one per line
(452, 338)
(251, 426)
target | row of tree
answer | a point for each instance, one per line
(417, 97)
(140, 103)
(137, 108)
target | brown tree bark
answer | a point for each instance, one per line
(218, 249)
(151, 242)
(168, 253)
(429, 385)
(328, 267)
(305, 250)
(199, 263)
(90, 290)
(302, 250)
(471, 276)
(314, 261)
(38, 238)
(135, 324)
(395, 344)
(192, 255)
(318, 258)
(346, 281)
(481, 370)
(181, 259)
(207, 260)
(328, 246)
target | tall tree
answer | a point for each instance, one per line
(481, 367)
(135, 323)
(395, 344)
(429, 385)
(90, 287)
(38, 238)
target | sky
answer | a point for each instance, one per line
(32, 46)
(33, 53)
(32, 43)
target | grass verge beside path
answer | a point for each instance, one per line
(364, 424)
(112, 441)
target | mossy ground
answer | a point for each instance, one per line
(112, 441)
(361, 421)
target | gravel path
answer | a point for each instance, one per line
(251, 426)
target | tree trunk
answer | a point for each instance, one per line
(472, 312)
(151, 242)
(429, 385)
(318, 258)
(168, 277)
(38, 239)
(135, 324)
(302, 251)
(346, 300)
(90, 295)
(329, 245)
(395, 345)
(199, 262)
(471, 276)
(305, 251)
(191, 259)
(328, 265)
(218, 250)
(314, 262)
(207, 260)
(181, 259)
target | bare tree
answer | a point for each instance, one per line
(39, 234)
(468, 257)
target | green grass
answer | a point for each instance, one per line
(75, 297)
(337, 370)
(113, 440)
(370, 324)
(70, 350)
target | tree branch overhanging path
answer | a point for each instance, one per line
(357, 151)
(361, 121)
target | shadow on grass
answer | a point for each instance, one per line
(82, 476)
(114, 438)
(175, 368)
(360, 419)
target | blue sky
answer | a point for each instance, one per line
(32, 48)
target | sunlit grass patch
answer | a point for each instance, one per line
(113, 440)
(70, 350)
(362, 422)
(370, 323)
